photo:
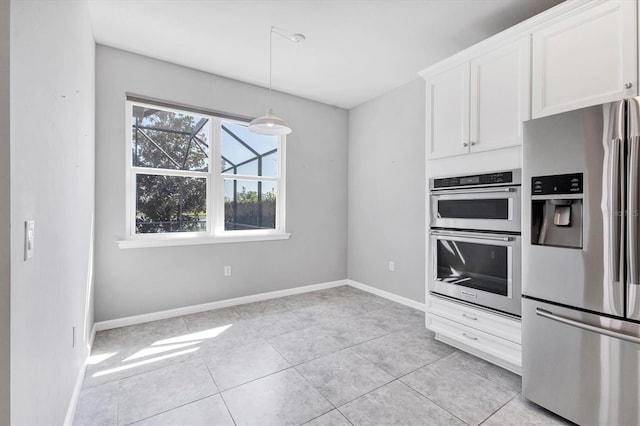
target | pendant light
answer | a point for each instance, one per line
(270, 124)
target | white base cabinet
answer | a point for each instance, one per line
(493, 337)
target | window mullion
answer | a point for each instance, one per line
(217, 194)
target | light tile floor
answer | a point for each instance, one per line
(333, 357)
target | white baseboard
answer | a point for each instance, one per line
(393, 297)
(73, 404)
(193, 309)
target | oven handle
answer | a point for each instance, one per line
(435, 193)
(472, 235)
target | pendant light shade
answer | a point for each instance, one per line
(270, 124)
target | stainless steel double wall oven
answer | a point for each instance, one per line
(475, 239)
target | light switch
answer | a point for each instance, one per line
(29, 238)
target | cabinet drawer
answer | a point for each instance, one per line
(494, 324)
(480, 343)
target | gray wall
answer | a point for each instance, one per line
(143, 280)
(5, 240)
(52, 108)
(387, 191)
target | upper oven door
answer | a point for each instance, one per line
(488, 209)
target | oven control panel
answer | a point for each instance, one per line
(497, 178)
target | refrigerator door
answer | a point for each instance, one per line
(588, 141)
(633, 209)
(581, 366)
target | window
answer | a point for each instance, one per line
(199, 177)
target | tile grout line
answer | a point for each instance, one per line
(419, 368)
(256, 379)
(310, 384)
(425, 396)
(224, 401)
(118, 404)
(178, 406)
(170, 409)
(333, 407)
(345, 416)
(219, 391)
(498, 409)
(367, 393)
(468, 370)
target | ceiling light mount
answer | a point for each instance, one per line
(270, 124)
(296, 38)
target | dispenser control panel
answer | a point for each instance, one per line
(557, 184)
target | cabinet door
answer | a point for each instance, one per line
(448, 113)
(500, 100)
(585, 59)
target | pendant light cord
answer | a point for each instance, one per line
(270, 62)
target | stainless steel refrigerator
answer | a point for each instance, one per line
(581, 263)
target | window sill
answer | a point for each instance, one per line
(199, 240)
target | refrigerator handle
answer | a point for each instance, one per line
(568, 321)
(615, 178)
(633, 209)
(615, 209)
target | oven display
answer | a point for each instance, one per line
(480, 266)
(469, 180)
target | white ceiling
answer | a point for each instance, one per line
(355, 50)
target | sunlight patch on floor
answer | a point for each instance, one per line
(200, 335)
(156, 350)
(140, 363)
(97, 359)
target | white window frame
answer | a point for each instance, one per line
(215, 232)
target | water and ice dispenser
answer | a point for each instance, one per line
(556, 210)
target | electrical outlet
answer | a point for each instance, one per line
(392, 266)
(227, 271)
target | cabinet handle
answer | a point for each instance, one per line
(469, 337)
(473, 143)
(465, 144)
(470, 317)
(628, 85)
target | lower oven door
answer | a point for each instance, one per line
(477, 267)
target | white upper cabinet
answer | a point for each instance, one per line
(480, 105)
(500, 96)
(448, 112)
(585, 59)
